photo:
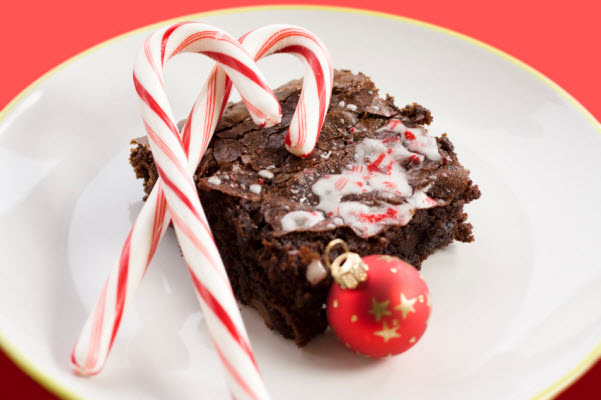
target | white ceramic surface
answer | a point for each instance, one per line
(513, 312)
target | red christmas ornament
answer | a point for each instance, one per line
(378, 305)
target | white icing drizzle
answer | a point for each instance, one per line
(378, 168)
(420, 199)
(300, 220)
(316, 272)
(415, 139)
(214, 180)
(266, 174)
(351, 107)
(255, 188)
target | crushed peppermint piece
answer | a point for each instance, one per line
(327, 155)
(214, 180)
(266, 174)
(271, 167)
(378, 168)
(255, 188)
(351, 107)
(415, 139)
(421, 200)
(316, 272)
(341, 104)
(298, 220)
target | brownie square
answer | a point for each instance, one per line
(376, 180)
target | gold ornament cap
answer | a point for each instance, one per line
(348, 269)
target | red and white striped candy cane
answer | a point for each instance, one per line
(317, 84)
(194, 236)
(312, 107)
(154, 219)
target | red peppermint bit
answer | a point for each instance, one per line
(390, 213)
(375, 166)
(414, 158)
(391, 139)
(340, 183)
(389, 151)
(360, 184)
(352, 130)
(393, 123)
(330, 214)
(389, 168)
(409, 135)
(260, 181)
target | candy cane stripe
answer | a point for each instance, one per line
(154, 106)
(220, 312)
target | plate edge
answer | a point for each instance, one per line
(62, 391)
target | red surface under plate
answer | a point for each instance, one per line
(557, 38)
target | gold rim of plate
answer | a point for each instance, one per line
(61, 391)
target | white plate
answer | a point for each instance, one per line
(515, 314)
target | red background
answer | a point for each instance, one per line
(559, 39)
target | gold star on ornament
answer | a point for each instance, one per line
(354, 318)
(387, 333)
(379, 309)
(387, 258)
(393, 270)
(406, 305)
(412, 340)
(335, 303)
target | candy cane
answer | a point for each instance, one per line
(153, 220)
(195, 239)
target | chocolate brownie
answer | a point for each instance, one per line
(375, 179)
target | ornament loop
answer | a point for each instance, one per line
(329, 248)
(348, 269)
